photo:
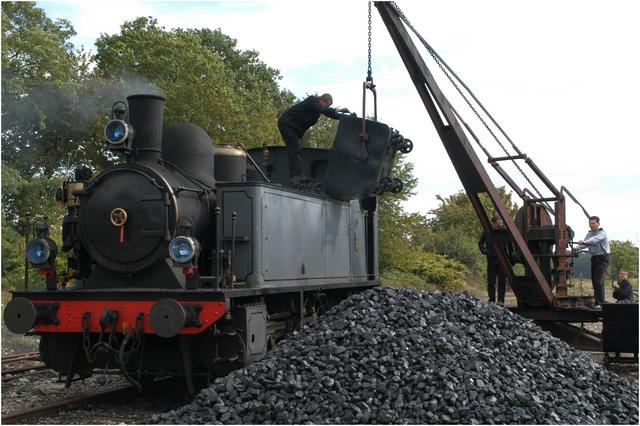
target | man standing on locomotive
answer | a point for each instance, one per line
(598, 244)
(295, 121)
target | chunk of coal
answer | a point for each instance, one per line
(404, 356)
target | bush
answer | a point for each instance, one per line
(401, 279)
(427, 271)
(447, 274)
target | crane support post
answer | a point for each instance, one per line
(531, 289)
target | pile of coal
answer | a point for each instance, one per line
(404, 356)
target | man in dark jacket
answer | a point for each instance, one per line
(296, 120)
(494, 270)
(622, 290)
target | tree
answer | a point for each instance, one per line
(453, 229)
(403, 260)
(322, 134)
(34, 48)
(246, 69)
(35, 196)
(229, 93)
(12, 256)
(20, 196)
(41, 91)
(395, 226)
(624, 255)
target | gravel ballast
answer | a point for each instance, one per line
(405, 356)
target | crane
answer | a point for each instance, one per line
(539, 232)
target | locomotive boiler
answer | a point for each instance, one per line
(191, 259)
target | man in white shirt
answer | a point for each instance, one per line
(598, 244)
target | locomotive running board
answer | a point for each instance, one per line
(218, 294)
(121, 294)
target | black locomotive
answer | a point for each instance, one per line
(191, 259)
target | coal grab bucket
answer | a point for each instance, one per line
(358, 165)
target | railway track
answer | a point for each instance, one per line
(52, 403)
(54, 407)
(28, 356)
(12, 372)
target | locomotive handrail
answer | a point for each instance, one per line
(128, 167)
(181, 188)
(186, 176)
(254, 163)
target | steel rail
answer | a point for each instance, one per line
(23, 369)
(8, 378)
(42, 410)
(27, 356)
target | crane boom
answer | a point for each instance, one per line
(531, 289)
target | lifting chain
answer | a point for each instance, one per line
(368, 85)
(369, 78)
(441, 64)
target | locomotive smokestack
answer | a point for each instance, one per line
(146, 115)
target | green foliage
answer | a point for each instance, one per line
(402, 279)
(42, 107)
(396, 228)
(51, 129)
(426, 271)
(453, 228)
(35, 196)
(447, 273)
(12, 257)
(246, 69)
(403, 259)
(21, 196)
(206, 80)
(322, 134)
(38, 65)
(624, 255)
(34, 48)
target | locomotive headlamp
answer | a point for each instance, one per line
(116, 132)
(38, 251)
(41, 252)
(183, 249)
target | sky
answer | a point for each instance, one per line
(561, 78)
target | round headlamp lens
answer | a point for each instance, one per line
(116, 131)
(182, 249)
(38, 251)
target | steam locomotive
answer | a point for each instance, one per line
(191, 259)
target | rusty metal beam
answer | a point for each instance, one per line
(531, 289)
